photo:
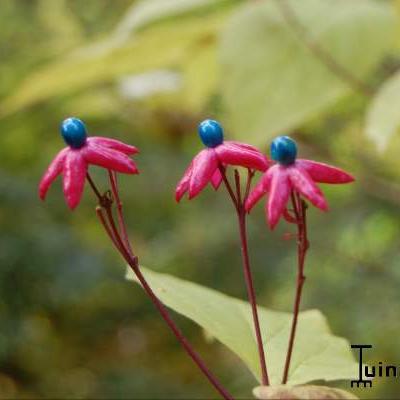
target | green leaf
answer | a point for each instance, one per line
(144, 12)
(164, 46)
(301, 393)
(318, 355)
(63, 28)
(200, 78)
(383, 117)
(95, 104)
(272, 81)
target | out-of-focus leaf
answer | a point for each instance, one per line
(308, 392)
(383, 117)
(273, 82)
(148, 84)
(63, 27)
(164, 46)
(145, 12)
(97, 103)
(318, 354)
(200, 78)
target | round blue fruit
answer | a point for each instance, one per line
(284, 150)
(211, 133)
(73, 130)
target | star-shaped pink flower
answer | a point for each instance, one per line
(290, 175)
(73, 160)
(204, 168)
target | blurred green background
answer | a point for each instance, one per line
(324, 71)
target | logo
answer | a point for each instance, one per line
(361, 382)
(372, 371)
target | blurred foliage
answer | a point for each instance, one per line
(382, 119)
(71, 326)
(283, 42)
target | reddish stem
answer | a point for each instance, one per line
(102, 218)
(241, 214)
(177, 332)
(252, 295)
(111, 229)
(229, 188)
(299, 207)
(94, 187)
(120, 213)
(250, 175)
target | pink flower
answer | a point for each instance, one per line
(290, 175)
(73, 161)
(204, 168)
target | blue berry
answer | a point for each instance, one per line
(73, 130)
(211, 133)
(284, 150)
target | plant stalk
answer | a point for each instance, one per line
(252, 295)
(120, 214)
(239, 205)
(300, 208)
(105, 215)
(179, 335)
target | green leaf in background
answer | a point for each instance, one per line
(318, 354)
(145, 12)
(165, 46)
(308, 392)
(383, 117)
(273, 82)
(200, 77)
(62, 26)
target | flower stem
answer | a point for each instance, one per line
(229, 189)
(94, 187)
(179, 335)
(300, 208)
(120, 214)
(239, 203)
(105, 215)
(252, 296)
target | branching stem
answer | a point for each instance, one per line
(120, 240)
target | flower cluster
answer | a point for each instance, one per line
(280, 178)
(284, 177)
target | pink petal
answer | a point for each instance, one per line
(183, 184)
(244, 145)
(279, 193)
(259, 190)
(216, 179)
(233, 154)
(204, 166)
(324, 173)
(74, 172)
(53, 170)
(109, 158)
(113, 144)
(303, 183)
